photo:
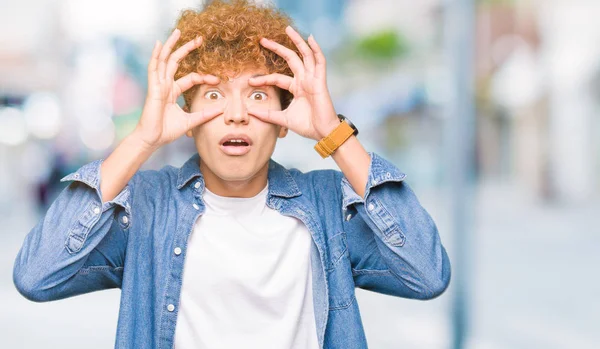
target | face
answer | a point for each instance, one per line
(235, 147)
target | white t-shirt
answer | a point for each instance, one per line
(247, 279)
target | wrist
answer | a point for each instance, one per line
(327, 129)
(137, 140)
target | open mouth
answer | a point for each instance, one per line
(236, 144)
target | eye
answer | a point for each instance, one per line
(259, 96)
(214, 95)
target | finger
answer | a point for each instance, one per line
(179, 54)
(153, 64)
(206, 114)
(191, 79)
(165, 52)
(290, 56)
(275, 79)
(321, 64)
(305, 50)
(276, 117)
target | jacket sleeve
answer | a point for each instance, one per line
(78, 246)
(393, 243)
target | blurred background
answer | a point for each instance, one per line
(491, 107)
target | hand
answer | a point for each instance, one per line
(311, 113)
(163, 120)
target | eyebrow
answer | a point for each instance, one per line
(253, 76)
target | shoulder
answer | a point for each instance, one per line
(321, 182)
(327, 175)
(156, 180)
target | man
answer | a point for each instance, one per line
(232, 250)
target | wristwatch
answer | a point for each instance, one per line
(337, 137)
(343, 118)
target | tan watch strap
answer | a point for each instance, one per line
(332, 141)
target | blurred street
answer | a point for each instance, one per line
(491, 108)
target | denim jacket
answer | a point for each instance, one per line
(385, 242)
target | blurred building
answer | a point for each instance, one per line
(72, 83)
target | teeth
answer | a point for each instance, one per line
(236, 141)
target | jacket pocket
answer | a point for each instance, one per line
(339, 273)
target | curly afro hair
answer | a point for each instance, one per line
(231, 31)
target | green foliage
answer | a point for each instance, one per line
(383, 45)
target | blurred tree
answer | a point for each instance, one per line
(387, 44)
(379, 51)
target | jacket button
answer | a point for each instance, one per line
(371, 207)
(96, 210)
(196, 206)
(197, 185)
(125, 219)
(348, 217)
(170, 307)
(177, 251)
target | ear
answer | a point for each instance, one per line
(283, 132)
(188, 132)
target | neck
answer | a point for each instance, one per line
(243, 188)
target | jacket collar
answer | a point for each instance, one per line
(281, 182)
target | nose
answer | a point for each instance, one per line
(236, 112)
